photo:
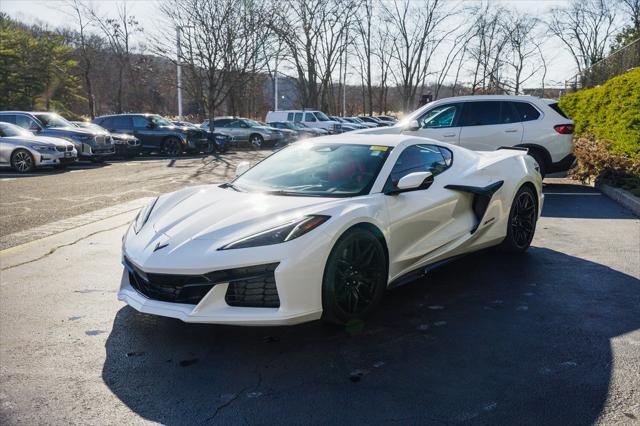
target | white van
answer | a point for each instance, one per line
(311, 118)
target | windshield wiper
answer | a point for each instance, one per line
(292, 193)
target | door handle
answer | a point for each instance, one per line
(511, 131)
(449, 135)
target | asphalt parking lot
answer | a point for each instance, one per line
(550, 337)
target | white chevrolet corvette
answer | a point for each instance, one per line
(321, 229)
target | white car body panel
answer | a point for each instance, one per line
(538, 133)
(420, 228)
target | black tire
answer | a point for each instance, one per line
(355, 277)
(22, 161)
(172, 147)
(521, 225)
(256, 141)
(540, 160)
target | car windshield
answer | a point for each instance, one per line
(159, 121)
(300, 125)
(8, 130)
(50, 120)
(316, 169)
(251, 122)
(321, 116)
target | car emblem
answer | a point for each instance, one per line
(160, 245)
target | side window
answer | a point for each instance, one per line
(508, 113)
(309, 117)
(440, 116)
(140, 122)
(290, 116)
(8, 118)
(234, 124)
(122, 122)
(105, 122)
(480, 113)
(298, 117)
(420, 158)
(527, 111)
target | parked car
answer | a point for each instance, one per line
(91, 145)
(488, 122)
(355, 215)
(219, 141)
(301, 130)
(346, 126)
(361, 122)
(246, 130)
(374, 120)
(311, 118)
(387, 118)
(157, 133)
(22, 151)
(127, 146)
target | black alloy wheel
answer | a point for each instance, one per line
(355, 277)
(522, 221)
(172, 147)
(22, 161)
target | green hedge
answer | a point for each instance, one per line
(610, 111)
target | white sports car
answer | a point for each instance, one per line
(322, 228)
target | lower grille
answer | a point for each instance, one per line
(258, 291)
(191, 289)
(61, 148)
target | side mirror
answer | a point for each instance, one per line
(242, 167)
(413, 182)
(150, 125)
(413, 126)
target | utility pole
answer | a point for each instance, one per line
(179, 72)
(344, 81)
(275, 87)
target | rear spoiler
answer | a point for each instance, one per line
(516, 148)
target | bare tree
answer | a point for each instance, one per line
(632, 7)
(223, 45)
(314, 33)
(364, 24)
(487, 46)
(585, 27)
(118, 31)
(419, 33)
(524, 56)
(87, 44)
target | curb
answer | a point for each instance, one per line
(622, 197)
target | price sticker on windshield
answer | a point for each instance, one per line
(378, 148)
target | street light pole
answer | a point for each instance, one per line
(179, 72)
(275, 87)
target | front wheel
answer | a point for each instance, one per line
(256, 141)
(355, 277)
(522, 221)
(172, 147)
(22, 161)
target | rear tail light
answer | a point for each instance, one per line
(564, 129)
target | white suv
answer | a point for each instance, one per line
(310, 118)
(486, 123)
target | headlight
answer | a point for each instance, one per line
(280, 234)
(143, 216)
(118, 141)
(43, 148)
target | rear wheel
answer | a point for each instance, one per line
(256, 141)
(22, 161)
(172, 147)
(522, 221)
(355, 277)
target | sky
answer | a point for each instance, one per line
(560, 64)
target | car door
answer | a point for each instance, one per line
(424, 220)
(489, 125)
(150, 138)
(239, 130)
(440, 123)
(5, 150)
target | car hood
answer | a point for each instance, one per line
(40, 140)
(225, 215)
(68, 131)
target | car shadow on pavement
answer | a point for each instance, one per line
(580, 202)
(521, 340)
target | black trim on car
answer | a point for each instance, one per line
(565, 164)
(481, 198)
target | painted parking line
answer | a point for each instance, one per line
(572, 193)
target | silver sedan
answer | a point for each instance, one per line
(22, 151)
